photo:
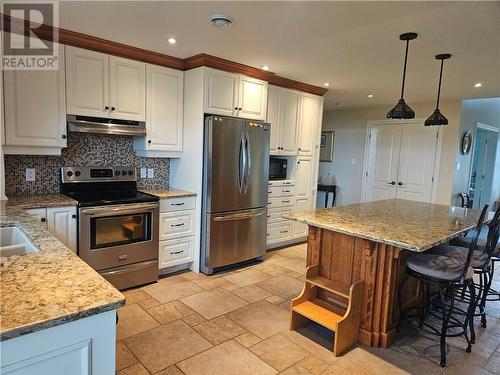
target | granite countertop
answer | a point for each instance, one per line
(406, 224)
(39, 201)
(50, 287)
(168, 193)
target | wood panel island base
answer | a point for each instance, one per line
(356, 256)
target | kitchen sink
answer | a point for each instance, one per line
(13, 241)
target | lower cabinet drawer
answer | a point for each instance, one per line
(176, 224)
(175, 252)
(278, 232)
(280, 191)
(177, 204)
(275, 215)
(280, 202)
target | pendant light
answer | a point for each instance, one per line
(403, 110)
(437, 118)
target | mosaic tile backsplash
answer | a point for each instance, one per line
(83, 150)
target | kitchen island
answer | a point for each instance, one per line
(370, 242)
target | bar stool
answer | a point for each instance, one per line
(444, 274)
(481, 261)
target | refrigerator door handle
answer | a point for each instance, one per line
(238, 216)
(248, 163)
(245, 163)
(241, 164)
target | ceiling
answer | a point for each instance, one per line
(354, 45)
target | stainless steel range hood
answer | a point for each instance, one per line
(99, 125)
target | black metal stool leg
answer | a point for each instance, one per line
(471, 312)
(444, 328)
(487, 285)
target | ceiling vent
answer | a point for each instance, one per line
(221, 20)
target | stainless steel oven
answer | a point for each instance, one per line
(121, 242)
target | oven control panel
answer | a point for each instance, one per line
(96, 174)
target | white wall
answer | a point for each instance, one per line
(486, 111)
(350, 132)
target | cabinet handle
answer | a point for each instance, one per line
(176, 252)
(236, 108)
(400, 183)
(299, 149)
(106, 108)
(113, 108)
(149, 140)
(73, 216)
(177, 204)
(298, 162)
(43, 220)
(286, 191)
(392, 183)
(267, 235)
(285, 202)
(177, 225)
(63, 136)
(239, 109)
(283, 231)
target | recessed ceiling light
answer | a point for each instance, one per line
(479, 84)
(265, 67)
(370, 95)
(221, 20)
(172, 40)
(326, 84)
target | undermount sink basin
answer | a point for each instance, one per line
(13, 241)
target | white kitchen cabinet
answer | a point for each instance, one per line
(176, 224)
(283, 115)
(60, 222)
(175, 252)
(87, 82)
(35, 110)
(235, 95)
(303, 177)
(278, 232)
(127, 86)
(102, 85)
(164, 113)
(308, 124)
(299, 230)
(252, 103)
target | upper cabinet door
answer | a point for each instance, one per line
(252, 103)
(221, 92)
(273, 117)
(290, 118)
(308, 122)
(35, 113)
(127, 96)
(87, 82)
(164, 108)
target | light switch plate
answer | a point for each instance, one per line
(151, 172)
(30, 174)
(144, 172)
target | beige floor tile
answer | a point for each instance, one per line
(229, 358)
(213, 303)
(296, 370)
(148, 303)
(298, 251)
(135, 296)
(219, 330)
(284, 286)
(275, 299)
(193, 276)
(246, 277)
(170, 311)
(262, 318)
(297, 265)
(170, 279)
(273, 257)
(136, 369)
(166, 345)
(493, 365)
(133, 320)
(124, 357)
(194, 319)
(172, 370)
(279, 352)
(465, 369)
(273, 268)
(165, 292)
(252, 293)
(314, 364)
(213, 282)
(248, 339)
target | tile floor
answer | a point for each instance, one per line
(237, 323)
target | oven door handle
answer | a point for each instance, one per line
(89, 211)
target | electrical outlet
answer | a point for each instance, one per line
(151, 172)
(144, 173)
(30, 174)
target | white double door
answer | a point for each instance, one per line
(400, 161)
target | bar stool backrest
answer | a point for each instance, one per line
(493, 235)
(473, 244)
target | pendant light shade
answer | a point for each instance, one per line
(403, 110)
(437, 118)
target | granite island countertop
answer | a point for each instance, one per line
(51, 287)
(410, 225)
(168, 193)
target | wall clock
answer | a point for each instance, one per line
(466, 143)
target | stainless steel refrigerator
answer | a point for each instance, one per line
(235, 176)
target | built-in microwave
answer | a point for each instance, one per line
(277, 169)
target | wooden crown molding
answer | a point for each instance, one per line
(76, 39)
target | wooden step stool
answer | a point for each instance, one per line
(342, 318)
